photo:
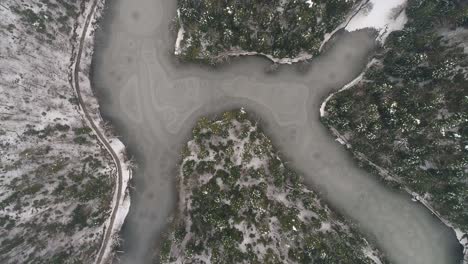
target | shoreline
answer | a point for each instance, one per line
(83, 38)
(346, 87)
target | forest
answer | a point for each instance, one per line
(409, 113)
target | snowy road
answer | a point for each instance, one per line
(110, 229)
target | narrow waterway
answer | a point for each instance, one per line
(153, 101)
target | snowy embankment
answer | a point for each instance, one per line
(80, 68)
(180, 35)
(346, 87)
(343, 25)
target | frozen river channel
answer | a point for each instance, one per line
(153, 101)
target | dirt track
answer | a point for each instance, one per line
(76, 85)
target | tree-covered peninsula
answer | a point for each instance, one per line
(240, 203)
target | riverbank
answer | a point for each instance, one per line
(79, 79)
(56, 180)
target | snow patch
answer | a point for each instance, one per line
(384, 16)
(372, 254)
(180, 35)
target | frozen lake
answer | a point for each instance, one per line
(153, 102)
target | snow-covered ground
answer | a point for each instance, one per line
(180, 35)
(56, 179)
(384, 16)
